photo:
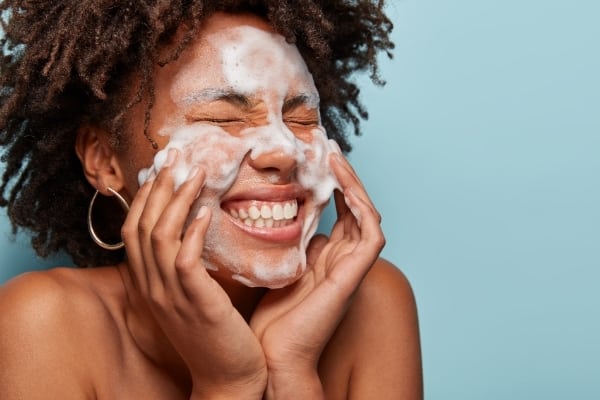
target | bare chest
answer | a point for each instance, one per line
(127, 374)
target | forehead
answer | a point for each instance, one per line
(241, 53)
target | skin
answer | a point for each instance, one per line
(160, 326)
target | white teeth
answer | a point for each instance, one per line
(253, 212)
(265, 211)
(277, 212)
(287, 211)
(275, 216)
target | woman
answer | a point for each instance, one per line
(205, 123)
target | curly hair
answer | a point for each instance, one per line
(69, 62)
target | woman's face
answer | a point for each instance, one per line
(241, 104)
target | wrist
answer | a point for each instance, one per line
(250, 389)
(292, 385)
(228, 393)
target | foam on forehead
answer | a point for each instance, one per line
(253, 59)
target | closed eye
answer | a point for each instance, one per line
(303, 122)
(217, 121)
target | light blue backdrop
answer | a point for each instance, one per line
(482, 154)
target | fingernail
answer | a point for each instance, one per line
(347, 198)
(337, 157)
(335, 146)
(350, 196)
(151, 176)
(348, 193)
(171, 155)
(202, 212)
(193, 172)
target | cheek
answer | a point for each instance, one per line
(218, 160)
(315, 154)
(216, 152)
(315, 173)
(310, 156)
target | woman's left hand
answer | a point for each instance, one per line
(295, 323)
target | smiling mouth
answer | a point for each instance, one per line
(264, 214)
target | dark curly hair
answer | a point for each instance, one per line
(69, 62)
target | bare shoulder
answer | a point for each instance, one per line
(386, 292)
(379, 338)
(42, 337)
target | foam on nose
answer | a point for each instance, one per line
(275, 137)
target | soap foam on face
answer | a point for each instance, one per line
(253, 62)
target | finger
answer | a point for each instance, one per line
(345, 164)
(160, 194)
(346, 225)
(352, 225)
(152, 238)
(370, 233)
(170, 229)
(345, 173)
(177, 211)
(130, 235)
(337, 151)
(199, 287)
(348, 180)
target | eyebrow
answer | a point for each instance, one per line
(309, 100)
(214, 94)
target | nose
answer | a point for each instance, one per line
(276, 161)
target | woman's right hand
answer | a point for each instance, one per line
(222, 353)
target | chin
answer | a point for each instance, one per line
(270, 279)
(261, 269)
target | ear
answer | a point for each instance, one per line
(98, 159)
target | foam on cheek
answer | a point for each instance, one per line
(212, 149)
(316, 175)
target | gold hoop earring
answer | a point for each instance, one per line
(95, 238)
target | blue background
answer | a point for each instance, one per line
(482, 155)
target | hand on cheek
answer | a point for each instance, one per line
(294, 324)
(192, 309)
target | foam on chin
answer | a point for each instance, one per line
(244, 52)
